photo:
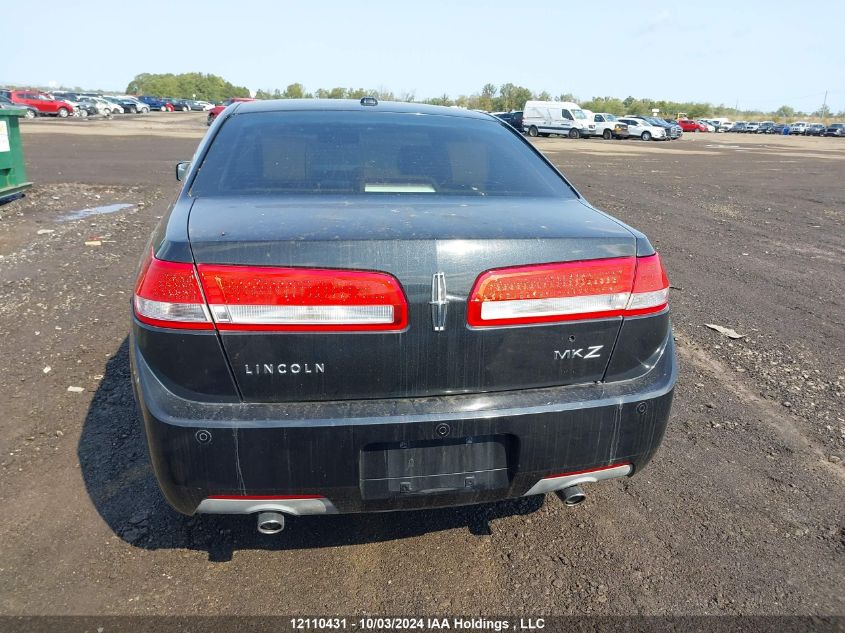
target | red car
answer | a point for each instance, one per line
(44, 103)
(688, 125)
(212, 114)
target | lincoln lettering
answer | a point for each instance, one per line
(284, 368)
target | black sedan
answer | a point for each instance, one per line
(514, 118)
(363, 306)
(815, 129)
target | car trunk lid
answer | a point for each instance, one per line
(436, 248)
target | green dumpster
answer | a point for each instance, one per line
(12, 170)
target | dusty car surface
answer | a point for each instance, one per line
(363, 306)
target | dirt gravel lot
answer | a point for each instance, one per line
(741, 512)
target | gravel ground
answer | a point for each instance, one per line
(741, 512)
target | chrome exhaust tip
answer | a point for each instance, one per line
(271, 522)
(573, 495)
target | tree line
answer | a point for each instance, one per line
(490, 98)
(509, 97)
(185, 86)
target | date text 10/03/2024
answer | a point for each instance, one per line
(418, 624)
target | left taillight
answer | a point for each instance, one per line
(568, 291)
(168, 294)
(303, 299)
(249, 298)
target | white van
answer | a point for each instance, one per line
(541, 118)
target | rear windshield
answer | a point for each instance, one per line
(367, 153)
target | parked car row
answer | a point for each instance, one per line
(39, 103)
(562, 118)
(799, 127)
(64, 104)
(169, 104)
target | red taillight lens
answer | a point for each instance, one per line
(651, 287)
(258, 298)
(167, 294)
(569, 291)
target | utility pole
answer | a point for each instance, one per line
(824, 109)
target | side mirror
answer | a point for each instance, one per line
(182, 168)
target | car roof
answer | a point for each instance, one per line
(333, 105)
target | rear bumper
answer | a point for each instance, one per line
(353, 456)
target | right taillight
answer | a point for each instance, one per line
(651, 287)
(568, 291)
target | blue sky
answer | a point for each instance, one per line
(763, 54)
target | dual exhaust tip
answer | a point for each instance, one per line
(274, 522)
